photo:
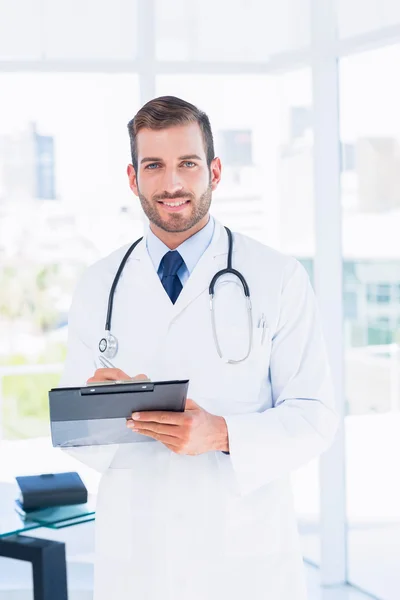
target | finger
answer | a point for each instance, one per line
(164, 439)
(141, 376)
(175, 449)
(169, 430)
(108, 375)
(106, 372)
(96, 378)
(191, 405)
(159, 416)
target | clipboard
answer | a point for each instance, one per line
(95, 415)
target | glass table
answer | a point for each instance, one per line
(46, 556)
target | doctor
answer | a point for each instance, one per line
(202, 509)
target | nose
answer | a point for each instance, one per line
(171, 181)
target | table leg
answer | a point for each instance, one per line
(48, 564)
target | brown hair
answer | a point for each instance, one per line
(169, 111)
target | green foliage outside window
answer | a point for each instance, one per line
(25, 409)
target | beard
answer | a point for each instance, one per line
(177, 222)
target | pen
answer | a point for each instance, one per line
(264, 332)
(106, 363)
(262, 325)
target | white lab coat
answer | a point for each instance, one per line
(212, 526)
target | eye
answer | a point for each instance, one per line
(189, 163)
(151, 165)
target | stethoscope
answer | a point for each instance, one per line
(108, 344)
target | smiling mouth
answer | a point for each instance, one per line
(173, 204)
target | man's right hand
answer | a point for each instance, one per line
(113, 375)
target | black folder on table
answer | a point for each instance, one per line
(50, 489)
(96, 414)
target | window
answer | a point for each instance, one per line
(358, 17)
(200, 30)
(379, 293)
(371, 218)
(72, 30)
(64, 197)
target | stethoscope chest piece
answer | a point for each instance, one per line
(108, 345)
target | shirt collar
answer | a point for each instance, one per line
(191, 249)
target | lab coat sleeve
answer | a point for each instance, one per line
(265, 446)
(79, 366)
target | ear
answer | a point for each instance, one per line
(215, 170)
(132, 179)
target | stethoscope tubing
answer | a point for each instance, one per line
(109, 344)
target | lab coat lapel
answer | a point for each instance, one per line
(213, 260)
(148, 282)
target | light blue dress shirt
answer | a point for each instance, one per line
(191, 250)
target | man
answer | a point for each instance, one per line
(202, 510)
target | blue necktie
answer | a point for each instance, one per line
(171, 263)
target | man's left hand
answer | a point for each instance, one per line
(192, 432)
